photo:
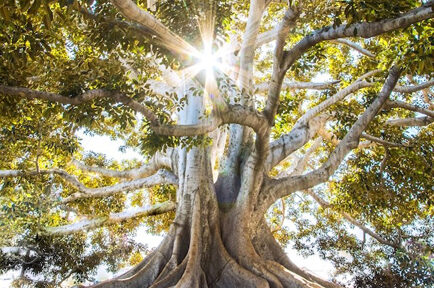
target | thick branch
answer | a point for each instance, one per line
(263, 87)
(405, 122)
(113, 218)
(166, 37)
(294, 140)
(266, 37)
(365, 30)
(231, 114)
(278, 188)
(137, 28)
(80, 99)
(162, 177)
(305, 127)
(350, 219)
(205, 126)
(271, 35)
(247, 50)
(278, 74)
(158, 161)
(407, 106)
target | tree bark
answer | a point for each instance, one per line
(211, 242)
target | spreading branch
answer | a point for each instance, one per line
(350, 219)
(381, 141)
(365, 30)
(355, 46)
(161, 177)
(136, 28)
(80, 99)
(164, 35)
(247, 49)
(292, 141)
(271, 35)
(305, 127)
(278, 188)
(263, 87)
(406, 122)
(157, 162)
(414, 88)
(275, 84)
(86, 224)
(230, 113)
(407, 106)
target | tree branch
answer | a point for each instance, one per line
(271, 35)
(278, 74)
(332, 100)
(303, 161)
(80, 99)
(230, 113)
(355, 46)
(365, 30)
(113, 218)
(139, 29)
(407, 106)
(263, 87)
(247, 49)
(381, 141)
(158, 161)
(305, 128)
(416, 121)
(289, 143)
(266, 37)
(161, 177)
(278, 188)
(414, 88)
(164, 36)
(350, 219)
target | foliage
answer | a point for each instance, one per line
(52, 46)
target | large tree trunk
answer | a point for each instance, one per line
(213, 241)
(211, 247)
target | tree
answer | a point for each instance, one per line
(219, 97)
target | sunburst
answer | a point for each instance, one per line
(212, 59)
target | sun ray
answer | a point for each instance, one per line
(210, 58)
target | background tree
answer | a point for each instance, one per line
(220, 99)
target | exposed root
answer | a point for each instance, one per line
(146, 271)
(171, 278)
(191, 276)
(288, 278)
(202, 280)
(195, 254)
(268, 248)
(239, 246)
(179, 247)
(226, 272)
